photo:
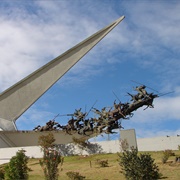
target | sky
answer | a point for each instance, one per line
(143, 48)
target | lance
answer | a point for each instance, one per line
(143, 84)
(165, 93)
(67, 115)
(56, 116)
(91, 109)
(116, 96)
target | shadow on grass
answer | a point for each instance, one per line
(162, 177)
(34, 164)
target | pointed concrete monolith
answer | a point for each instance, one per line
(18, 98)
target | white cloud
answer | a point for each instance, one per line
(29, 40)
(165, 109)
(34, 117)
(148, 37)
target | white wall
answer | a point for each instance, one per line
(158, 143)
(7, 153)
(144, 144)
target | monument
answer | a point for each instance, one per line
(17, 99)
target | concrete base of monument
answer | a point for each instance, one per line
(30, 138)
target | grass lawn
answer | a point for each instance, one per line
(88, 167)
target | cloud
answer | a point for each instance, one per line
(165, 109)
(145, 46)
(152, 32)
(34, 117)
(37, 35)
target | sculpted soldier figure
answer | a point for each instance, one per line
(149, 100)
(135, 97)
(104, 113)
(51, 124)
(87, 126)
(141, 91)
(37, 128)
(71, 123)
(113, 125)
(44, 128)
(79, 115)
(117, 112)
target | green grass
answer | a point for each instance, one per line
(170, 170)
(82, 165)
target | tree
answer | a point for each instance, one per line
(17, 167)
(46, 141)
(136, 167)
(51, 157)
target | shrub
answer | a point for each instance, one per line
(164, 159)
(2, 172)
(75, 175)
(46, 141)
(17, 167)
(177, 159)
(169, 152)
(49, 163)
(51, 157)
(124, 146)
(166, 154)
(136, 167)
(81, 143)
(102, 163)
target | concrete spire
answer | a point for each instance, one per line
(18, 98)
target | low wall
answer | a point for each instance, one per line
(144, 144)
(158, 143)
(113, 146)
(7, 153)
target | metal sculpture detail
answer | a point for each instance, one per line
(107, 119)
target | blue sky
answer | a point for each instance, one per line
(144, 47)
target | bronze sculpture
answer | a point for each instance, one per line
(107, 120)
